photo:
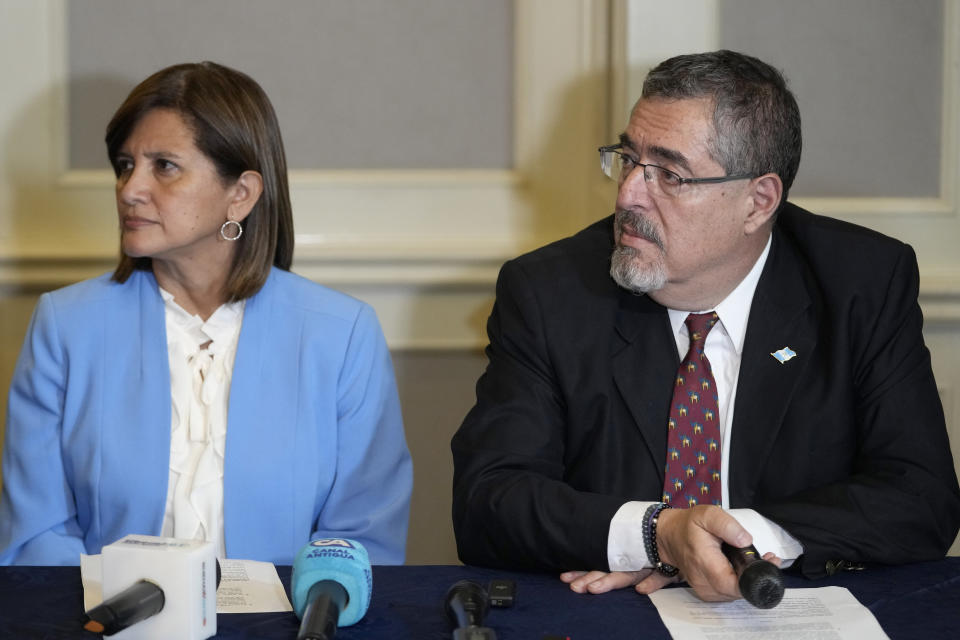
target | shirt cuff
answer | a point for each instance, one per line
(625, 548)
(769, 536)
(626, 551)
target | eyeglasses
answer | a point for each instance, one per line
(617, 165)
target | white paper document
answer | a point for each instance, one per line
(246, 586)
(824, 613)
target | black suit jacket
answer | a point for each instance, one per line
(844, 445)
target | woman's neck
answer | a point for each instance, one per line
(200, 292)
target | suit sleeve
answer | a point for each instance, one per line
(38, 523)
(370, 498)
(512, 507)
(901, 502)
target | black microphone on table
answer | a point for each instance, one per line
(141, 600)
(466, 604)
(135, 603)
(156, 588)
(761, 582)
(331, 584)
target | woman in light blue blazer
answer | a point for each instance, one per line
(202, 390)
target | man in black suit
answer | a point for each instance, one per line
(832, 447)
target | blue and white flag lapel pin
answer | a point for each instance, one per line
(784, 354)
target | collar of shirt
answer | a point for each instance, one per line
(219, 327)
(734, 310)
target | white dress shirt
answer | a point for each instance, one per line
(201, 366)
(723, 348)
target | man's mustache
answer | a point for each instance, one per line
(638, 225)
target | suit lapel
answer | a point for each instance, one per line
(136, 420)
(781, 316)
(258, 497)
(247, 423)
(644, 363)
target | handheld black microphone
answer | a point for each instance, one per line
(135, 603)
(331, 584)
(761, 582)
(466, 604)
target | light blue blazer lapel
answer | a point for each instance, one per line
(259, 493)
(135, 392)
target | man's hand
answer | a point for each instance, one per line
(690, 540)
(602, 581)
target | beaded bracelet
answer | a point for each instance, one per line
(650, 539)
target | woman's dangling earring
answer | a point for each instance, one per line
(228, 224)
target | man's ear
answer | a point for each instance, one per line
(245, 193)
(766, 192)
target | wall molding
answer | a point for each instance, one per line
(409, 270)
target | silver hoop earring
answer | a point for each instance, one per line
(223, 231)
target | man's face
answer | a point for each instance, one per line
(677, 246)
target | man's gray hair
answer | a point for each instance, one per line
(756, 119)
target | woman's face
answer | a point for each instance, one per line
(170, 198)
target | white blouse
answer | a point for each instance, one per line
(201, 366)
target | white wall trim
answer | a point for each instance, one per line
(411, 265)
(422, 303)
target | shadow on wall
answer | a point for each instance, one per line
(47, 220)
(567, 191)
(436, 391)
(436, 388)
(24, 212)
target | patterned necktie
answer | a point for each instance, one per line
(692, 474)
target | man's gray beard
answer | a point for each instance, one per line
(625, 266)
(629, 273)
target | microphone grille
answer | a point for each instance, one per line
(466, 603)
(761, 584)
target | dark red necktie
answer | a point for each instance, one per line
(693, 430)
